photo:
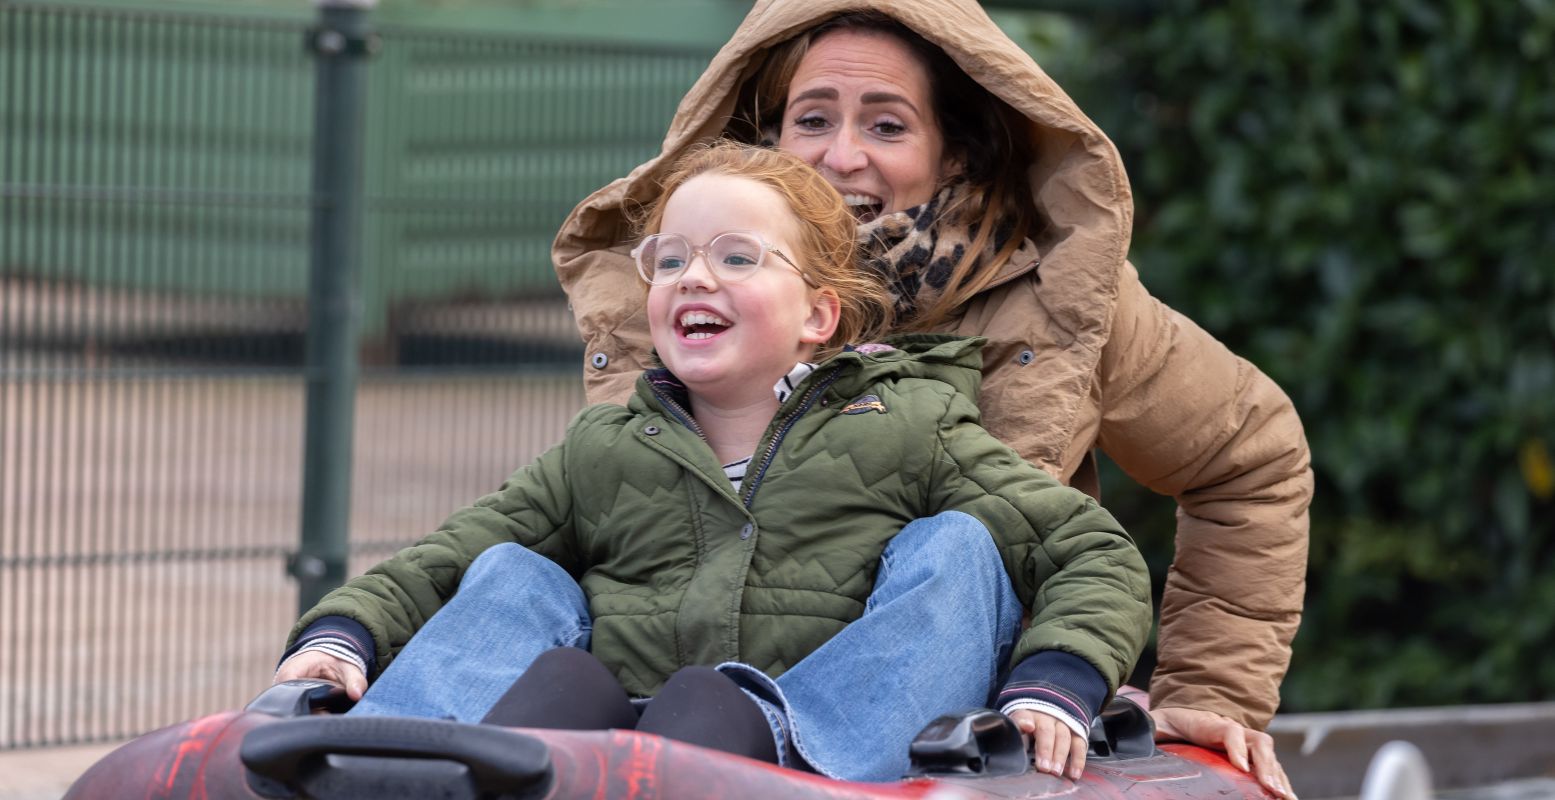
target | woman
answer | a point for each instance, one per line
(1000, 210)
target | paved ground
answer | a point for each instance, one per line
(45, 773)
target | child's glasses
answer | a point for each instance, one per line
(733, 256)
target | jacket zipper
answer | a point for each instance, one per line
(759, 466)
(680, 414)
(748, 493)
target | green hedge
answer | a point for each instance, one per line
(1360, 198)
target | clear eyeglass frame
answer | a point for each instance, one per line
(725, 272)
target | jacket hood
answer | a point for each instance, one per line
(1077, 179)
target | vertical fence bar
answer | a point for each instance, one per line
(341, 44)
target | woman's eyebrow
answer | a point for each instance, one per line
(818, 93)
(868, 98)
(877, 98)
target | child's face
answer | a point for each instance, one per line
(760, 326)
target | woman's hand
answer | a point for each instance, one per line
(1054, 748)
(1249, 750)
(325, 667)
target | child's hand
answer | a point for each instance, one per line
(1054, 748)
(325, 667)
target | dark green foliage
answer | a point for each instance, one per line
(1360, 198)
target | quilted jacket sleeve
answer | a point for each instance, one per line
(396, 597)
(1079, 574)
(1185, 417)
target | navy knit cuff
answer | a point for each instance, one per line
(342, 631)
(1057, 680)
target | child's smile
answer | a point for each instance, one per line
(697, 324)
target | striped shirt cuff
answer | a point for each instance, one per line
(341, 637)
(1058, 684)
(1049, 709)
(339, 648)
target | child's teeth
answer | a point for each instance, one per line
(701, 318)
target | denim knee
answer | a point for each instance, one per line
(949, 547)
(949, 534)
(511, 558)
(951, 557)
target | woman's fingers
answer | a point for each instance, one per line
(1249, 750)
(1266, 766)
(1233, 739)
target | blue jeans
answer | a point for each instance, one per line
(935, 638)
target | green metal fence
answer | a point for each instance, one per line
(154, 224)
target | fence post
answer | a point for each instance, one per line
(340, 43)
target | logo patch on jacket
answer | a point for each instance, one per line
(864, 405)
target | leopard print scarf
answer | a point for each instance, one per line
(916, 250)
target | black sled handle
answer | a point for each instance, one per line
(385, 758)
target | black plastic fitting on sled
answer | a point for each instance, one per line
(985, 742)
(389, 758)
(300, 698)
(1122, 730)
(976, 742)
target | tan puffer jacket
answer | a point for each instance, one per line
(1079, 356)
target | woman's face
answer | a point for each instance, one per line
(860, 109)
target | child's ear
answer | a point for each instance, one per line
(825, 311)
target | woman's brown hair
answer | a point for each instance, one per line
(826, 230)
(982, 135)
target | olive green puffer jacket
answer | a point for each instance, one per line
(679, 569)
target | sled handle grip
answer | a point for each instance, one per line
(393, 757)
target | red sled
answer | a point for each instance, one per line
(287, 744)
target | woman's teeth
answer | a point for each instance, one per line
(864, 207)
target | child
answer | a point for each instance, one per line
(732, 542)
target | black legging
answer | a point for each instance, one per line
(570, 689)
